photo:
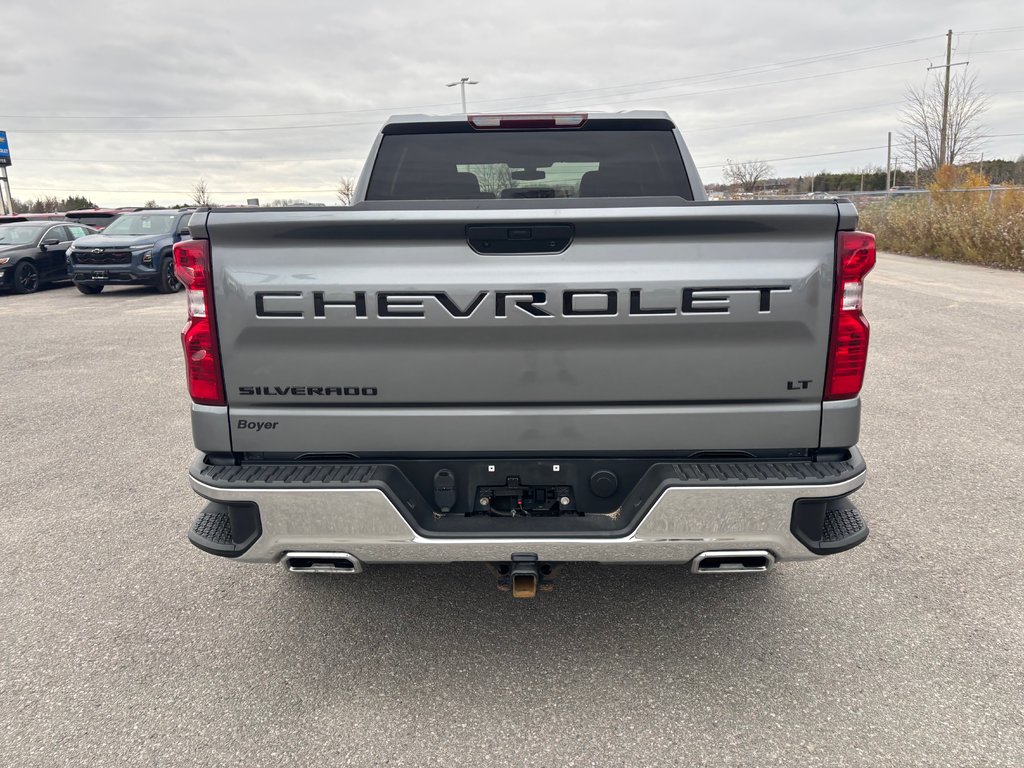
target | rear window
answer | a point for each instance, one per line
(138, 224)
(528, 164)
(90, 216)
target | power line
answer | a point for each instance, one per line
(616, 102)
(331, 191)
(761, 84)
(338, 125)
(311, 191)
(613, 101)
(194, 130)
(803, 157)
(793, 117)
(904, 144)
(737, 72)
(78, 161)
(334, 159)
(725, 74)
(820, 114)
(762, 71)
(331, 159)
(178, 191)
(118, 161)
(991, 30)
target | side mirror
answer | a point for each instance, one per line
(48, 242)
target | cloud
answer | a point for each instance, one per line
(159, 84)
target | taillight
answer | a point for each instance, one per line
(199, 337)
(528, 122)
(848, 349)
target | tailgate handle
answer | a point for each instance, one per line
(523, 238)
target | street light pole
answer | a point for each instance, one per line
(462, 83)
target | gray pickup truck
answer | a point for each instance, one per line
(531, 340)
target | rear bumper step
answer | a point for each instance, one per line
(788, 511)
(581, 497)
(828, 526)
(226, 528)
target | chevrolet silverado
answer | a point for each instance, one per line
(530, 340)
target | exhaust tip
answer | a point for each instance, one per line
(733, 561)
(322, 562)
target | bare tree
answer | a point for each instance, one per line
(493, 178)
(922, 119)
(149, 204)
(346, 189)
(748, 174)
(201, 193)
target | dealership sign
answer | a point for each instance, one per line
(5, 149)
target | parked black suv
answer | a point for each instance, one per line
(135, 249)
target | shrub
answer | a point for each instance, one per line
(983, 227)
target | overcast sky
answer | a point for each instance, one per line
(117, 100)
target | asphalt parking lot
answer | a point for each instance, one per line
(122, 645)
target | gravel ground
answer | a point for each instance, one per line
(122, 645)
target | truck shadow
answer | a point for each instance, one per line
(580, 590)
(475, 582)
(430, 624)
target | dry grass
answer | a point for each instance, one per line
(973, 227)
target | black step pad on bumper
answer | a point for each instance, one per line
(676, 474)
(282, 475)
(768, 472)
(828, 526)
(226, 528)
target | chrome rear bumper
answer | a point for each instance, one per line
(683, 523)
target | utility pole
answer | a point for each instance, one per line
(945, 99)
(462, 83)
(944, 129)
(888, 165)
(917, 184)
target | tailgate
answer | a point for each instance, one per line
(700, 326)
